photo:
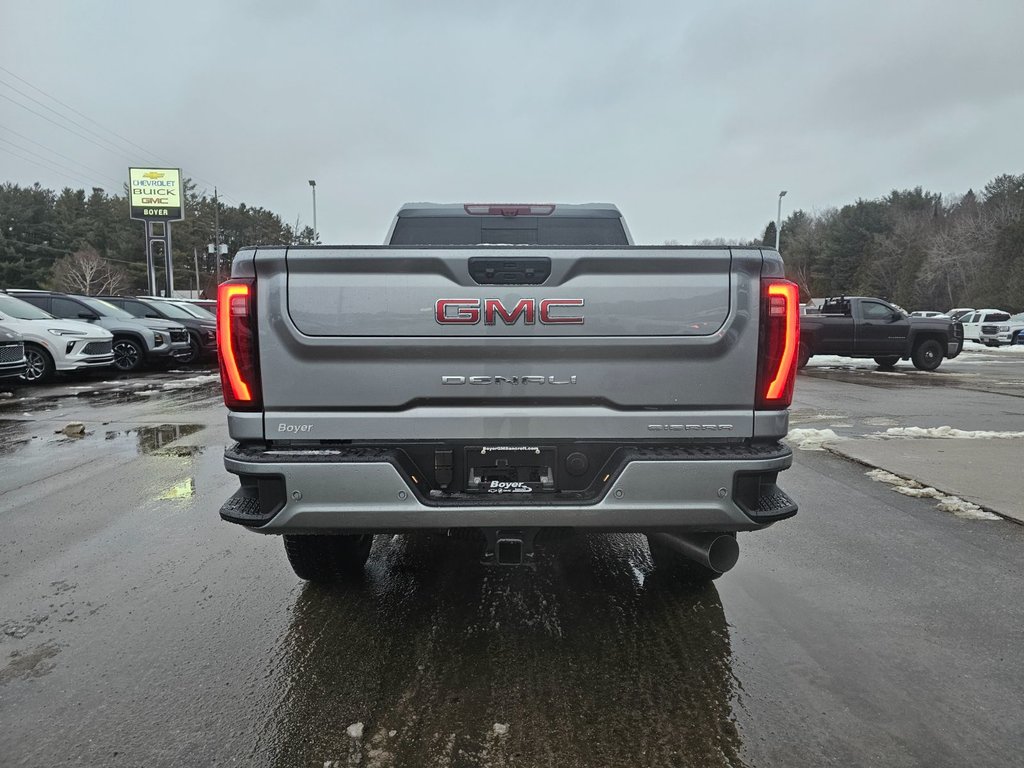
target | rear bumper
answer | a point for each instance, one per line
(709, 488)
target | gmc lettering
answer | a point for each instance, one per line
(529, 311)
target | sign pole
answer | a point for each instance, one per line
(168, 263)
(156, 198)
(150, 259)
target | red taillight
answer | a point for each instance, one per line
(236, 345)
(778, 345)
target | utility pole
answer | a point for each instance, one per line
(216, 232)
(195, 259)
(778, 219)
(316, 238)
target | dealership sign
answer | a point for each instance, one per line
(156, 194)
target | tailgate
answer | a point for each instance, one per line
(351, 337)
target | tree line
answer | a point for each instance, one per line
(916, 248)
(84, 241)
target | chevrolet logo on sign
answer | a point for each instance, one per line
(152, 175)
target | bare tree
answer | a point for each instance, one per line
(88, 273)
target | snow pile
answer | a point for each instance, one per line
(811, 439)
(194, 381)
(947, 433)
(946, 503)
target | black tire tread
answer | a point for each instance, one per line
(804, 355)
(918, 356)
(327, 559)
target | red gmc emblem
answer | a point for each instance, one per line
(529, 311)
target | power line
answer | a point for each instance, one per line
(100, 174)
(62, 251)
(62, 117)
(80, 114)
(119, 150)
(64, 127)
(66, 173)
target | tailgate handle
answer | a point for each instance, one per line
(496, 271)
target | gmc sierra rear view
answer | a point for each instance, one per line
(508, 369)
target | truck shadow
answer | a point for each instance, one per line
(590, 658)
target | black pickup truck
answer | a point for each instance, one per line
(859, 326)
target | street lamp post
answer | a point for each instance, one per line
(778, 219)
(312, 183)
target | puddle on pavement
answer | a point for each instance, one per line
(186, 489)
(174, 391)
(31, 664)
(13, 435)
(157, 439)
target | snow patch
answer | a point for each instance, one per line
(811, 439)
(947, 433)
(355, 730)
(946, 503)
(194, 381)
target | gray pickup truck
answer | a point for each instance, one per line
(509, 370)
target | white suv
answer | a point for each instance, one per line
(53, 345)
(972, 323)
(1002, 332)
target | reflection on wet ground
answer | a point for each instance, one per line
(165, 388)
(153, 439)
(435, 660)
(13, 435)
(909, 379)
(149, 440)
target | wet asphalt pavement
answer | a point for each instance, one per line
(136, 629)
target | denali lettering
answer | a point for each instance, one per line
(469, 311)
(514, 380)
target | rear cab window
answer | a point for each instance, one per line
(508, 230)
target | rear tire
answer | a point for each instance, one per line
(803, 356)
(327, 559)
(40, 365)
(668, 562)
(888, 361)
(195, 351)
(927, 355)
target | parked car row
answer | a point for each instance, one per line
(61, 332)
(992, 327)
(982, 326)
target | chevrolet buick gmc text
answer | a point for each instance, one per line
(511, 369)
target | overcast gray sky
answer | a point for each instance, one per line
(691, 116)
